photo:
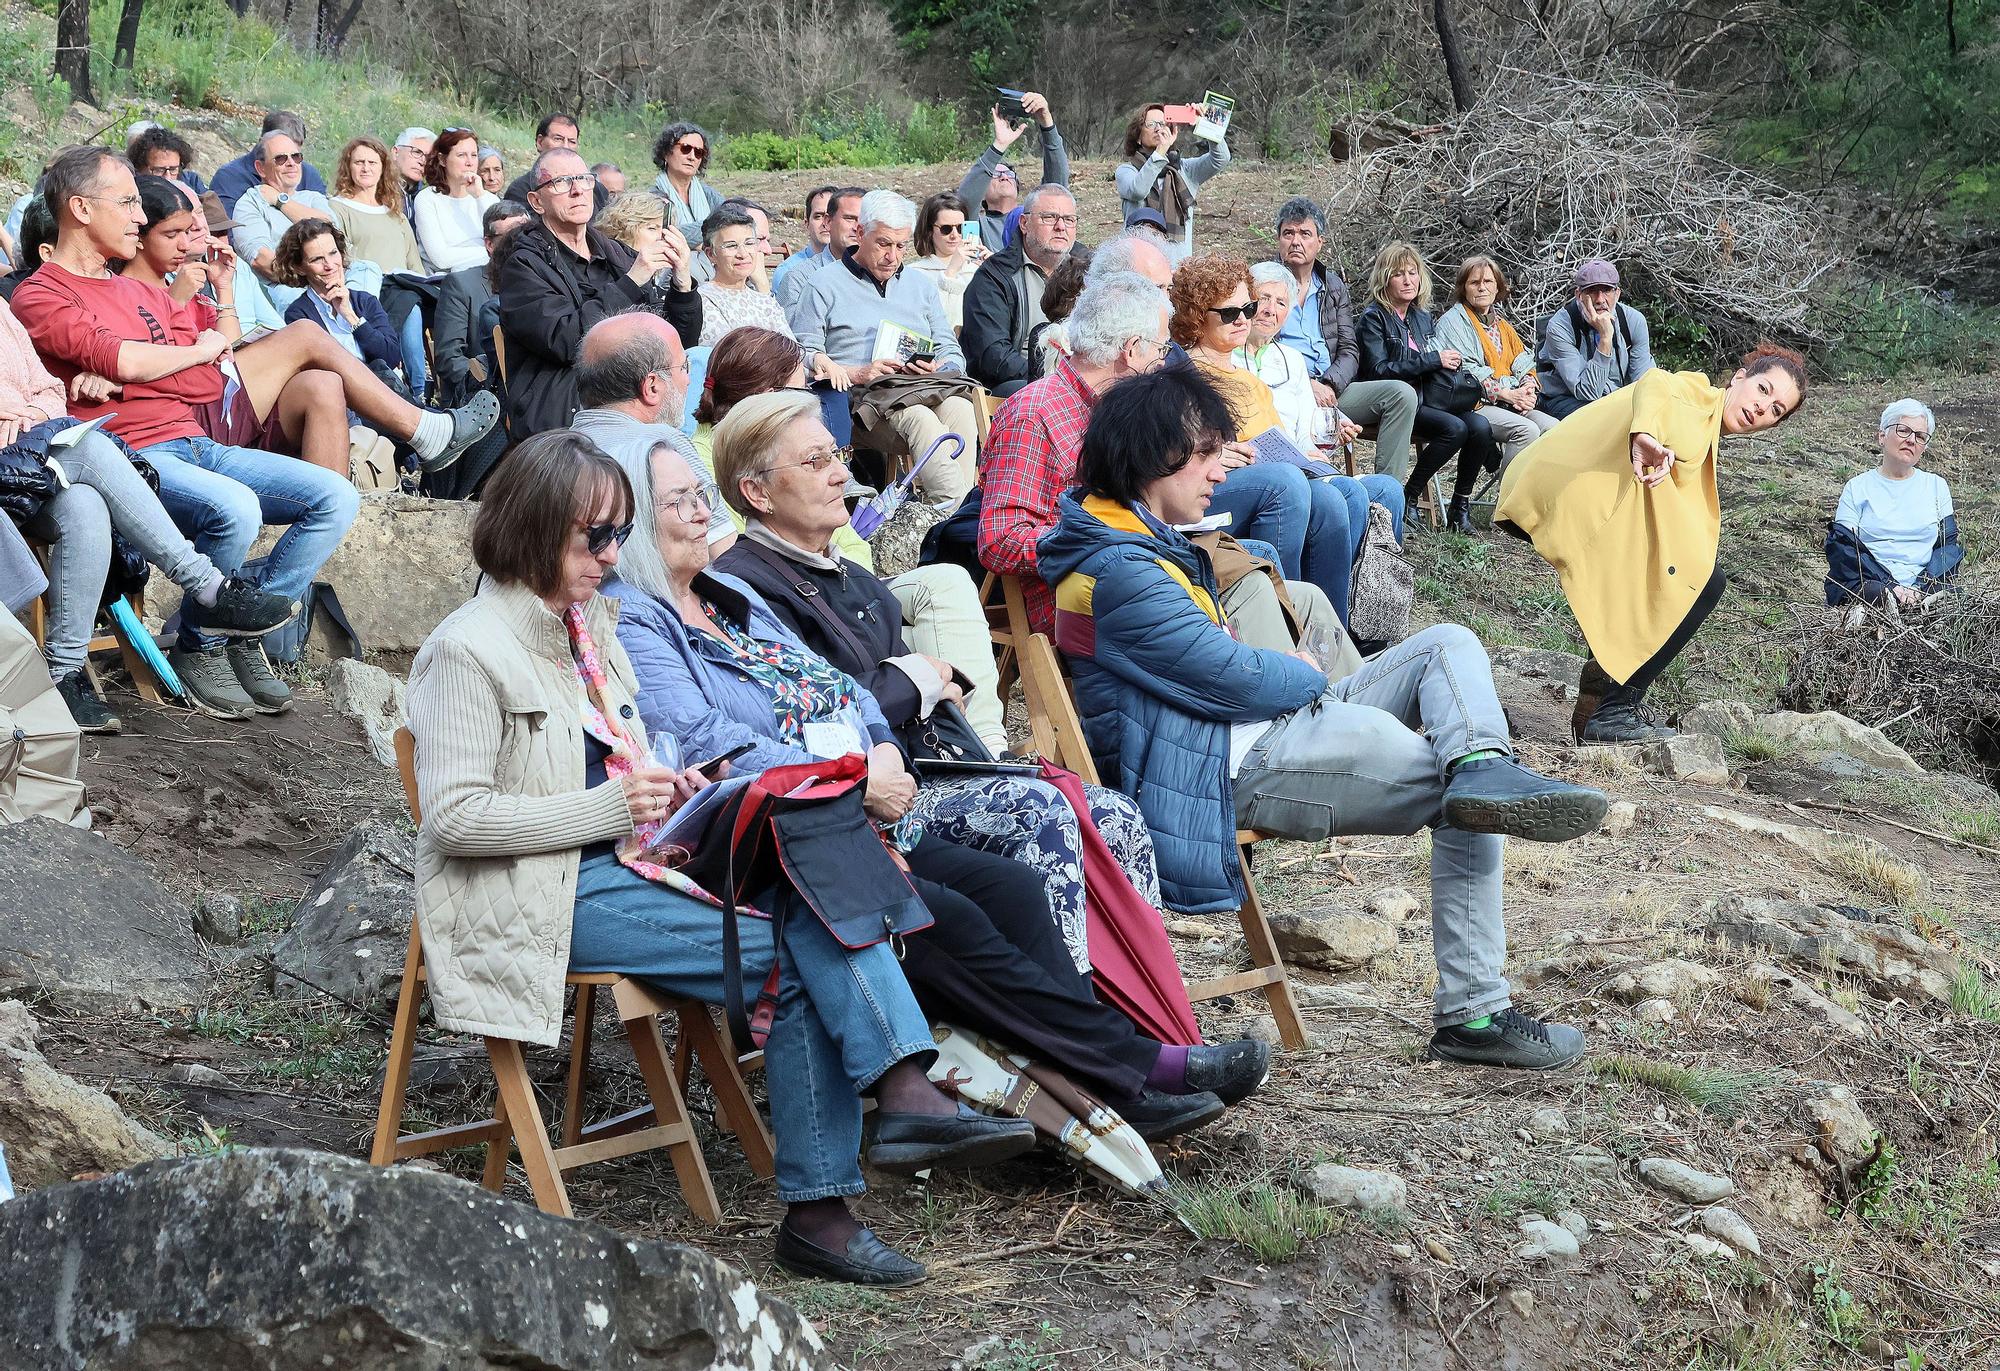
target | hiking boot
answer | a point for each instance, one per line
(470, 422)
(244, 610)
(1156, 1115)
(211, 683)
(1233, 1071)
(1622, 717)
(1512, 1039)
(86, 706)
(1499, 795)
(1458, 515)
(1590, 690)
(253, 672)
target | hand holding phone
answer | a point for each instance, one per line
(708, 768)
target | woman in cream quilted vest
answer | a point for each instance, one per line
(534, 768)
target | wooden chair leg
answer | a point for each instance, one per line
(524, 1120)
(143, 679)
(738, 1114)
(402, 1047)
(1264, 953)
(579, 1064)
(494, 1177)
(670, 1109)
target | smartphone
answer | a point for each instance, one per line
(708, 767)
(921, 357)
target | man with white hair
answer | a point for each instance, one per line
(1134, 251)
(263, 212)
(1003, 304)
(886, 341)
(413, 149)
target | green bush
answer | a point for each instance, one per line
(1883, 330)
(777, 152)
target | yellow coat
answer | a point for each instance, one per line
(1632, 560)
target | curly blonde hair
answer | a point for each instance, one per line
(1392, 258)
(628, 210)
(1199, 285)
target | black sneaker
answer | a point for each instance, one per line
(470, 422)
(1233, 1071)
(1499, 795)
(244, 610)
(1621, 719)
(86, 706)
(1513, 1040)
(253, 672)
(211, 683)
(1156, 1115)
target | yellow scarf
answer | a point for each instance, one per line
(1501, 357)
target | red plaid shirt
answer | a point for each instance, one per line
(1030, 459)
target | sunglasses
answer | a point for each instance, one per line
(1229, 314)
(691, 149)
(953, 229)
(286, 159)
(598, 537)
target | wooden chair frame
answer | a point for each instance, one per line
(1059, 737)
(143, 680)
(1006, 608)
(516, 1121)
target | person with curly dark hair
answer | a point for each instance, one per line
(1638, 563)
(313, 256)
(681, 152)
(159, 151)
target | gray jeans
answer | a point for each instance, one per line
(1354, 761)
(105, 492)
(1392, 407)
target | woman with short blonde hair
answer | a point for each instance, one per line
(1494, 355)
(640, 218)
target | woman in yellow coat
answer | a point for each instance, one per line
(1620, 499)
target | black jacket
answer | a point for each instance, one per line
(457, 339)
(997, 322)
(27, 485)
(376, 336)
(1386, 354)
(549, 298)
(1855, 573)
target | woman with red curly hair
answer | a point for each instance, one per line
(1214, 301)
(1638, 563)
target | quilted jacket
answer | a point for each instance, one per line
(497, 712)
(1855, 573)
(1159, 681)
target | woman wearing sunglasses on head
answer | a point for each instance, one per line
(681, 153)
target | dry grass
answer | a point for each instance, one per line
(1720, 1091)
(1876, 874)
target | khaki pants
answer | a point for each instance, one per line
(1252, 608)
(918, 426)
(1513, 430)
(942, 619)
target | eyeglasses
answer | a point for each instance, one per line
(726, 245)
(1068, 220)
(1149, 342)
(1229, 314)
(598, 537)
(1911, 435)
(128, 203)
(569, 185)
(688, 504)
(819, 459)
(1155, 125)
(952, 229)
(287, 159)
(691, 149)
(1003, 174)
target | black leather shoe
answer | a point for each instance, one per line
(908, 1143)
(1458, 515)
(867, 1260)
(1156, 1114)
(1499, 795)
(1231, 1071)
(1622, 717)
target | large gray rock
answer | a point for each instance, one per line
(1829, 731)
(294, 1261)
(351, 930)
(1723, 719)
(1564, 669)
(54, 1127)
(372, 698)
(1694, 757)
(84, 924)
(1889, 959)
(1331, 939)
(1358, 1187)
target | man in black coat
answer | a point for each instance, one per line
(1004, 301)
(560, 276)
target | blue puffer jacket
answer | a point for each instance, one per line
(1159, 681)
(1854, 573)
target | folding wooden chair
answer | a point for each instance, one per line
(517, 1117)
(1059, 738)
(1006, 623)
(1430, 502)
(111, 640)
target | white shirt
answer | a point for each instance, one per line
(1898, 520)
(449, 233)
(1286, 371)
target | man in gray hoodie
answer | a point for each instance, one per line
(992, 185)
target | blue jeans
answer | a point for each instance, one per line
(413, 355)
(221, 496)
(1269, 502)
(1338, 524)
(844, 1018)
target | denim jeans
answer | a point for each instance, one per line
(1354, 761)
(221, 496)
(412, 340)
(106, 492)
(844, 1018)
(1339, 523)
(1268, 502)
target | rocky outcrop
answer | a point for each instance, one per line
(1331, 939)
(1889, 959)
(1829, 731)
(372, 698)
(284, 1261)
(54, 1127)
(351, 930)
(86, 926)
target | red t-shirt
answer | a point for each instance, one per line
(77, 324)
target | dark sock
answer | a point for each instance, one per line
(825, 1223)
(1169, 1073)
(905, 1089)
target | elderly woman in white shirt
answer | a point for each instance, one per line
(1894, 537)
(1284, 368)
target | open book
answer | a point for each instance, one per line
(894, 343)
(1275, 445)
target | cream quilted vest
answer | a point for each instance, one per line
(496, 709)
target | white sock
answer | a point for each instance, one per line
(210, 588)
(433, 433)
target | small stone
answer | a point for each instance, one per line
(1542, 1240)
(1655, 1011)
(1841, 1129)
(1355, 1187)
(1548, 1122)
(1684, 1182)
(1619, 818)
(1594, 1161)
(1438, 1251)
(1522, 1302)
(1718, 719)
(218, 918)
(372, 698)
(1192, 928)
(1707, 1246)
(1670, 978)
(1332, 939)
(194, 1073)
(1403, 1250)
(1578, 1226)
(1729, 1226)
(1394, 905)
(1693, 757)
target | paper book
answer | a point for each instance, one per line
(1214, 120)
(1221, 519)
(70, 437)
(894, 343)
(1275, 445)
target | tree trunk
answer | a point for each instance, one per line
(128, 34)
(1454, 60)
(73, 47)
(333, 36)
(1951, 27)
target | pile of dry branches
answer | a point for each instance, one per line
(1929, 679)
(1545, 171)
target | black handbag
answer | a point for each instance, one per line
(1454, 391)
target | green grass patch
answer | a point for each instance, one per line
(1715, 1090)
(1752, 745)
(298, 1042)
(1506, 1200)
(1973, 995)
(1274, 1222)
